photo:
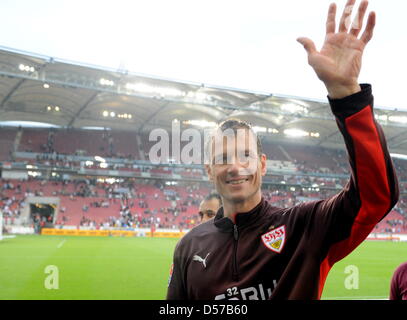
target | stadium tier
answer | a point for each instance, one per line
(121, 144)
(85, 142)
(7, 140)
(309, 158)
(394, 222)
(96, 204)
(99, 205)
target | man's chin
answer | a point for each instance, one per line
(238, 198)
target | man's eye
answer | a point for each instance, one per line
(223, 159)
(210, 213)
(246, 156)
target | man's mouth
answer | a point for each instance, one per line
(237, 181)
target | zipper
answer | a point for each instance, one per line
(236, 238)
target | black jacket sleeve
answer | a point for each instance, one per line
(342, 222)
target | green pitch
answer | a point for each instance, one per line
(138, 268)
(375, 262)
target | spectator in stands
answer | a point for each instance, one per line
(398, 286)
(209, 206)
(37, 224)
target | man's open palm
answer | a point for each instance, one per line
(339, 61)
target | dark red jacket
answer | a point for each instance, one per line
(398, 286)
(287, 253)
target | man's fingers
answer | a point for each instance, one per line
(308, 44)
(344, 23)
(330, 21)
(358, 22)
(368, 33)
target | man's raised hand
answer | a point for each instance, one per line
(339, 61)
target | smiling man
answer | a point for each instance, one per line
(252, 250)
(237, 165)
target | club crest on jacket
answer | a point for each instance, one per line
(274, 239)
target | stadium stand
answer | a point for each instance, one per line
(82, 203)
(7, 140)
(60, 161)
(34, 141)
(84, 142)
(124, 146)
(101, 205)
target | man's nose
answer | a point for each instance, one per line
(241, 166)
(234, 165)
(233, 168)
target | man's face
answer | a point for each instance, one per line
(208, 209)
(236, 169)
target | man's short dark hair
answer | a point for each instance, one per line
(235, 124)
(213, 195)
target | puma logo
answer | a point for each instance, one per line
(199, 259)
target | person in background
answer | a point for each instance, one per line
(209, 206)
(398, 286)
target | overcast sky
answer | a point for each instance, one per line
(249, 45)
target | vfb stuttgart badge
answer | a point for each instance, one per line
(274, 239)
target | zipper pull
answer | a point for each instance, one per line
(235, 232)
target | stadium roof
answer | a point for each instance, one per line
(41, 89)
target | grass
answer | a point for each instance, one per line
(89, 267)
(375, 262)
(138, 268)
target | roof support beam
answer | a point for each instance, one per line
(76, 115)
(328, 137)
(11, 92)
(389, 140)
(399, 143)
(18, 85)
(152, 116)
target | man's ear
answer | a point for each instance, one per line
(263, 163)
(208, 169)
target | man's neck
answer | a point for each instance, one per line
(230, 209)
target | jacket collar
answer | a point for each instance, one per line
(242, 219)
